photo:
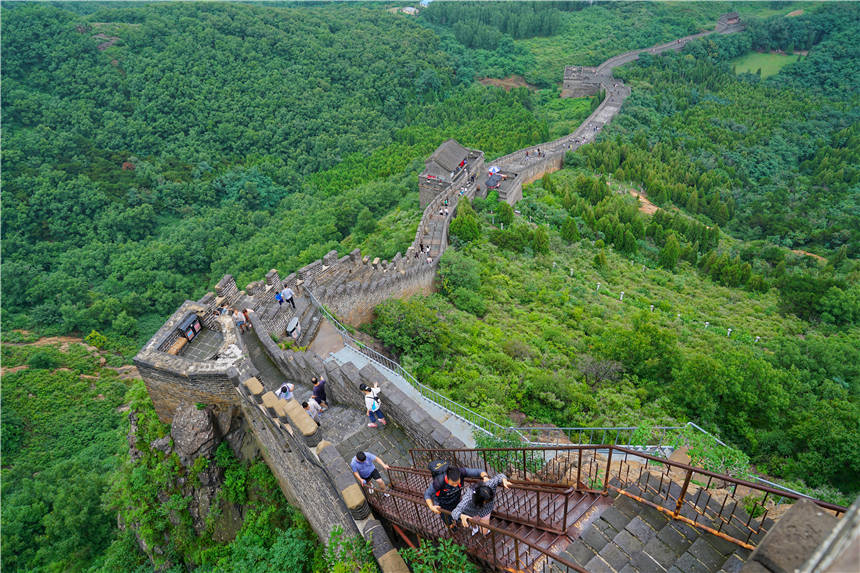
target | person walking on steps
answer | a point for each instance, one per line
(313, 409)
(372, 404)
(286, 391)
(364, 470)
(478, 503)
(319, 392)
(446, 487)
(287, 296)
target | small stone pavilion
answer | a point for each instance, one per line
(451, 163)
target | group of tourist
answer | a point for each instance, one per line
(444, 495)
(316, 402)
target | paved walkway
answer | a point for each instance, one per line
(343, 426)
(327, 340)
(457, 426)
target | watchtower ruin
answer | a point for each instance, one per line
(580, 81)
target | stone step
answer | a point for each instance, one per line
(634, 537)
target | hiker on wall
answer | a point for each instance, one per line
(372, 404)
(445, 489)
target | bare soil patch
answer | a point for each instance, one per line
(808, 254)
(794, 13)
(507, 83)
(5, 371)
(645, 206)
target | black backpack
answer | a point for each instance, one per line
(437, 468)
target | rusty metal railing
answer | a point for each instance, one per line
(499, 550)
(544, 507)
(731, 508)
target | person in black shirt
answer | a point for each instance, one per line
(445, 489)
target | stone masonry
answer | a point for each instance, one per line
(313, 474)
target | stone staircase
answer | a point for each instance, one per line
(633, 537)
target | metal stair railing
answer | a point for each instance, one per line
(525, 434)
(499, 550)
(544, 507)
(477, 421)
(729, 507)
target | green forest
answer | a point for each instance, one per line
(149, 149)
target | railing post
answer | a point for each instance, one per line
(524, 463)
(578, 469)
(539, 520)
(566, 500)
(683, 492)
(517, 553)
(493, 542)
(608, 466)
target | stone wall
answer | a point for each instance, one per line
(354, 302)
(580, 81)
(171, 380)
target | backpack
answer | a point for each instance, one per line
(437, 468)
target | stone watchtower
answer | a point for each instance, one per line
(451, 164)
(580, 81)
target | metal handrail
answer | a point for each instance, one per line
(474, 419)
(491, 428)
(661, 461)
(378, 502)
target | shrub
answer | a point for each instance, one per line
(432, 558)
(469, 301)
(97, 339)
(43, 360)
(456, 270)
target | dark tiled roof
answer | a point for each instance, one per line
(447, 156)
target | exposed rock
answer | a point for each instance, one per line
(194, 433)
(134, 453)
(162, 444)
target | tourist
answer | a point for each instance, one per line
(364, 470)
(445, 491)
(372, 404)
(286, 391)
(245, 313)
(478, 503)
(239, 318)
(313, 409)
(421, 246)
(287, 295)
(319, 392)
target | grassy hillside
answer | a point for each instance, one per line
(519, 325)
(767, 64)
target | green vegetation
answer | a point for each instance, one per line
(62, 439)
(765, 65)
(553, 346)
(435, 558)
(67, 474)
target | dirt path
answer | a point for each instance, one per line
(645, 206)
(127, 372)
(808, 254)
(507, 83)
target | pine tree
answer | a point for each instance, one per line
(670, 252)
(570, 230)
(540, 240)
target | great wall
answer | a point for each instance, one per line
(576, 507)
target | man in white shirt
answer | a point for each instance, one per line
(287, 296)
